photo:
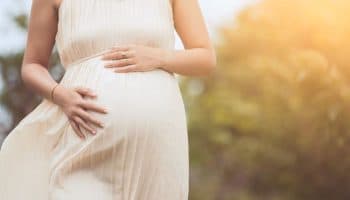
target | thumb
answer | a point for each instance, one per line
(85, 91)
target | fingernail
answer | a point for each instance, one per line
(94, 132)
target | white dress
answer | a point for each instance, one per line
(141, 153)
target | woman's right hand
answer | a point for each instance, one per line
(75, 106)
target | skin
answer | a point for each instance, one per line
(197, 59)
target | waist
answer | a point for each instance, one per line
(91, 59)
(86, 58)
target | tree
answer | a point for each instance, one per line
(273, 121)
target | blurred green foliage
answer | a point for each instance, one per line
(273, 121)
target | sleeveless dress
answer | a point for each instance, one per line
(142, 151)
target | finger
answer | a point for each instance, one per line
(120, 48)
(120, 63)
(112, 56)
(93, 107)
(85, 125)
(85, 91)
(77, 129)
(87, 117)
(119, 55)
(117, 49)
(129, 68)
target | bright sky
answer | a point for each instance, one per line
(216, 12)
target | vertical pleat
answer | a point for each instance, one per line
(87, 27)
(141, 153)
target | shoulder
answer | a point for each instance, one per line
(46, 4)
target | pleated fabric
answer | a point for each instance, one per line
(142, 151)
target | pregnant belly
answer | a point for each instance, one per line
(135, 99)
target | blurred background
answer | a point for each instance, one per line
(272, 123)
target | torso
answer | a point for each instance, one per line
(86, 27)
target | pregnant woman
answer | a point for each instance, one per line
(114, 127)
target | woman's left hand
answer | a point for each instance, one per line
(132, 58)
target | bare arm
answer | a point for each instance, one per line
(34, 71)
(40, 41)
(199, 57)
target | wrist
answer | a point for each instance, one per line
(58, 95)
(52, 91)
(165, 58)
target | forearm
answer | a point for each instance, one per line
(37, 78)
(190, 62)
